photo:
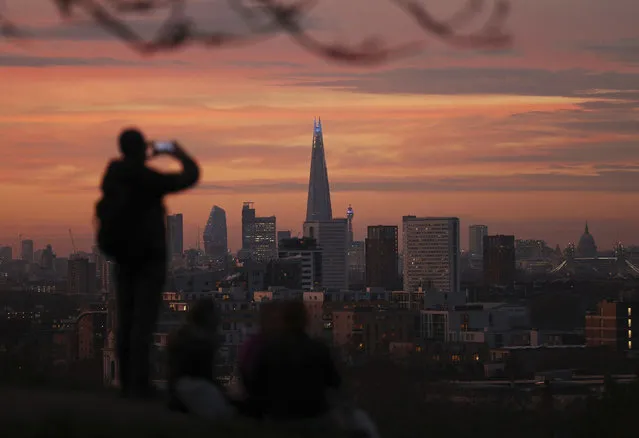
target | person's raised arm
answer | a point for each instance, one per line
(164, 183)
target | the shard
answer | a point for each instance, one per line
(318, 206)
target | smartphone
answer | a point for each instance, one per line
(163, 146)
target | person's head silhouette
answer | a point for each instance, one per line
(294, 317)
(133, 145)
(204, 315)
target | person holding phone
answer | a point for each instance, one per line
(132, 232)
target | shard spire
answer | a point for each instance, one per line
(318, 206)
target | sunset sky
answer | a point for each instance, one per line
(533, 140)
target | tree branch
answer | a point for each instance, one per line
(267, 18)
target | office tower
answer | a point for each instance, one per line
(476, 235)
(27, 250)
(248, 217)
(107, 269)
(350, 213)
(259, 235)
(215, 235)
(175, 234)
(431, 253)
(309, 256)
(530, 249)
(356, 260)
(81, 276)
(6, 254)
(318, 206)
(499, 260)
(264, 244)
(382, 257)
(37, 256)
(281, 235)
(332, 237)
(47, 257)
(285, 273)
(61, 266)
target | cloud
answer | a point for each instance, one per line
(266, 64)
(625, 51)
(616, 126)
(609, 180)
(56, 61)
(472, 81)
(581, 153)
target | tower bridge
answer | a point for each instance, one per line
(583, 261)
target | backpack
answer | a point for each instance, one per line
(112, 234)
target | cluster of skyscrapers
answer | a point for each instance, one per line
(330, 257)
(327, 257)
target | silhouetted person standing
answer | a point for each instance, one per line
(132, 231)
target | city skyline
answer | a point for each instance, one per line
(533, 141)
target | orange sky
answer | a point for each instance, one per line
(533, 141)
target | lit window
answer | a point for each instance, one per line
(629, 345)
(629, 311)
(629, 323)
(630, 333)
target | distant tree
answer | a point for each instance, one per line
(266, 18)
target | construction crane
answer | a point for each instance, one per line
(197, 242)
(75, 250)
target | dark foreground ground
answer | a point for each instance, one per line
(38, 413)
(32, 413)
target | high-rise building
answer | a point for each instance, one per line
(476, 235)
(215, 235)
(248, 218)
(283, 234)
(332, 237)
(530, 249)
(46, 260)
(431, 254)
(259, 235)
(81, 276)
(309, 256)
(61, 266)
(382, 257)
(264, 244)
(6, 254)
(285, 273)
(499, 260)
(356, 260)
(175, 232)
(27, 250)
(318, 206)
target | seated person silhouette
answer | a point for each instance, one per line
(193, 387)
(270, 326)
(293, 373)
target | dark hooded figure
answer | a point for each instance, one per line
(293, 373)
(132, 232)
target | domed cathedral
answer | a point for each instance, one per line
(586, 246)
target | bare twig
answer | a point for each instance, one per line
(266, 18)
